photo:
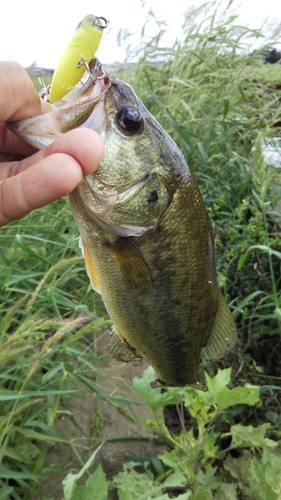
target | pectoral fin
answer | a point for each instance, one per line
(131, 264)
(120, 350)
(224, 334)
(90, 266)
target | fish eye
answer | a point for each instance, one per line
(129, 120)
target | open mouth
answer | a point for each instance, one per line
(96, 80)
(68, 113)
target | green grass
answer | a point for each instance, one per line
(49, 319)
(218, 100)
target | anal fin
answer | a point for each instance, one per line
(120, 350)
(224, 334)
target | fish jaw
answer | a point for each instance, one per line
(70, 113)
(39, 131)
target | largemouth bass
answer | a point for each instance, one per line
(145, 233)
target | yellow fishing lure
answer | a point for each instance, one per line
(82, 47)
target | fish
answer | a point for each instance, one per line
(145, 233)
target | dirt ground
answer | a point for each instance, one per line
(116, 381)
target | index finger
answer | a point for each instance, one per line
(18, 98)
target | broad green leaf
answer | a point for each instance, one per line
(271, 461)
(219, 381)
(226, 491)
(248, 436)
(69, 482)
(160, 497)
(239, 468)
(259, 473)
(207, 480)
(96, 487)
(170, 458)
(270, 443)
(184, 461)
(177, 478)
(248, 395)
(137, 486)
(209, 445)
(224, 397)
(151, 395)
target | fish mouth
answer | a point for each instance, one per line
(71, 112)
(93, 103)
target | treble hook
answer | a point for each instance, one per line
(94, 72)
(45, 91)
(82, 62)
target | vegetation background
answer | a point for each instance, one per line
(220, 101)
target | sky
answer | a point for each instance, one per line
(37, 31)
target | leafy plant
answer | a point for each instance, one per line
(211, 458)
(96, 485)
(198, 460)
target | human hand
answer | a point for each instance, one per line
(30, 179)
